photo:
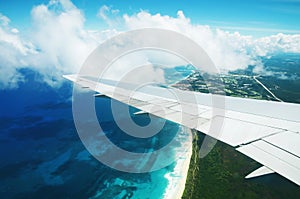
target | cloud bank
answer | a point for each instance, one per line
(229, 51)
(58, 42)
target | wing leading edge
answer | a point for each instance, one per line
(265, 131)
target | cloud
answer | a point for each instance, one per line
(58, 32)
(58, 42)
(4, 21)
(225, 49)
(13, 50)
(110, 16)
(142, 66)
(105, 12)
(277, 43)
(229, 51)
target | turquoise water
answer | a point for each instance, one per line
(43, 157)
(145, 185)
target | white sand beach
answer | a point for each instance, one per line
(177, 178)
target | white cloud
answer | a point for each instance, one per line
(13, 50)
(229, 51)
(4, 21)
(225, 49)
(142, 66)
(59, 43)
(277, 43)
(61, 38)
(110, 16)
(14, 30)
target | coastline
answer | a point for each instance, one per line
(177, 178)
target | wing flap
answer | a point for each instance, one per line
(278, 160)
(236, 132)
(288, 141)
(260, 172)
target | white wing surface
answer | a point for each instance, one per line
(265, 131)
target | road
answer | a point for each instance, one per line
(259, 82)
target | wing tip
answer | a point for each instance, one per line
(71, 77)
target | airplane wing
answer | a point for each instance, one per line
(265, 131)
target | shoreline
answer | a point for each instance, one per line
(177, 178)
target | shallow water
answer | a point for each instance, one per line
(43, 157)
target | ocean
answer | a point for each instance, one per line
(43, 156)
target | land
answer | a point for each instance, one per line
(221, 174)
(226, 84)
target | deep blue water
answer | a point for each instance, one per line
(43, 157)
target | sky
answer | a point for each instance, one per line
(258, 17)
(54, 37)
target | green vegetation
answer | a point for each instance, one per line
(228, 84)
(221, 174)
(286, 89)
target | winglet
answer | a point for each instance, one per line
(259, 172)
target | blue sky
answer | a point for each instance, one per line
(261, 17)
